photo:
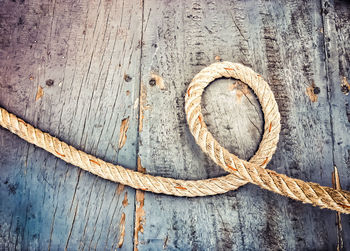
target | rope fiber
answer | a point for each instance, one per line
(240, 171)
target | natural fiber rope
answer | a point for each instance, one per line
(241, 170)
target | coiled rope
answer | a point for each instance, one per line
(241, 171)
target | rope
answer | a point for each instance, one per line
(241, 171)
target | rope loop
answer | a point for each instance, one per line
(199, 130)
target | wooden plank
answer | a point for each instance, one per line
(284, 42)
(86, 48)
(336, 16)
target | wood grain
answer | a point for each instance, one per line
(336, 18)
(85, 48)
(114, 74)
(284, 42)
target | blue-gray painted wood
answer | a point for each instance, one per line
(284, 41)
(336, 17)
(87, 47)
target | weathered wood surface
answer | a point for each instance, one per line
(86, 48)
(101, 56)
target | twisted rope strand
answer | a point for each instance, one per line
(116, 173)
(241, 171)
